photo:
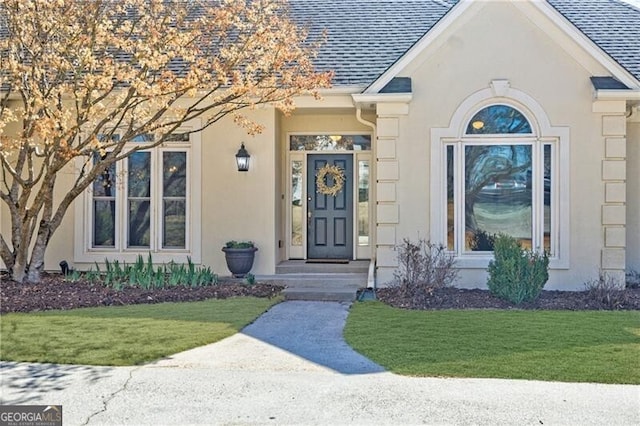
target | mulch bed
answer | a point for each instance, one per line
(53, 292)
(56, 293)
(454, 298)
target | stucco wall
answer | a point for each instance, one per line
(321, 122)
(496, 41)
(239, 205)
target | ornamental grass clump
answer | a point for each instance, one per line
(144, 275)
(516, 274)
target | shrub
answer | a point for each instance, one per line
(250, 279)
(239, 244)
(607, 291)
(422, 267)
(632, 279)
(516, 274)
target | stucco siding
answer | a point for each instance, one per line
(498, 41)
(239, 205)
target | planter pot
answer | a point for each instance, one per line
(239, 260)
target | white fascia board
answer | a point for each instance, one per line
(617, 95)
(415, 50)
(374, 98)
(616, 70)
(342, 90)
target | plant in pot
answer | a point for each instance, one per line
(239, 256)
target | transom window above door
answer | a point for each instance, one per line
(336, 142)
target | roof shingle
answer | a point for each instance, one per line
(366, 37)
(613, 25)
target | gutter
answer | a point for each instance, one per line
(360, 99)
(630, 95)
(371, 276)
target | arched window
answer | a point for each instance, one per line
(498, 119)
(499, 180)
(500, 167)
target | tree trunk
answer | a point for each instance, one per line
(19, 271)
(36, 266)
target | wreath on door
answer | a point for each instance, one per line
(321, 180)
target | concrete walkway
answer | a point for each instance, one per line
(292, 367)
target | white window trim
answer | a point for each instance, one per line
(85, 253)
(500, 92)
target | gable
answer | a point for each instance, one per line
(370, 41)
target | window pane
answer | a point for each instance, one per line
(547, 184)
(363, 203)
(104, 207)
(174, 226)
(177, 137)
(140, 174)
(104, 223)
(139, 223)
(174, 174)
(105, 184)
(296, 203)
(497, 119)
(450, 201)
(330, 143)
(498, 196)
(143, 138)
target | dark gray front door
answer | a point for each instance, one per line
(330, 218)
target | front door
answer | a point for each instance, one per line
(330, 206)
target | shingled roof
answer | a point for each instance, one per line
(366, 37)
(613, 25)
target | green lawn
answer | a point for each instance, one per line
(585, 346)
(123, 335)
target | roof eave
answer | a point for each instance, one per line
(343, 89)
(374, 98)
(630, 95)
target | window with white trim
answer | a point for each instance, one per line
(148, 202)
(499, 178)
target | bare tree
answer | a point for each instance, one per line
(72, 73)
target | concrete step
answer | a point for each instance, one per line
(302, 267)
(320, 295)
(319, 287)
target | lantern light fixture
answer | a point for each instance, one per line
(242, 159)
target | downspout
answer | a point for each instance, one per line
(371, 277)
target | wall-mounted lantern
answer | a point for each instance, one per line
(242, 158)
